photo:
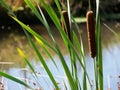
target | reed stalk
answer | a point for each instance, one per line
(67, 36)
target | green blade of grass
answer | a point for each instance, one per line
(99, 48)
(65, 65)
(46, 50)
(7, 7)
(26, 60)
(77, 43)
(34, 10)
(46, 43)
(56, 21)
(29, 64)
(67, 71)
(58, 25)
(61, 56)
(38, 37)
(100, 62)
(58, 6)
(80, 47)
(64, 37)
(36, 50)
(81, 50)
(34, 34)
(40, 17)
(15, 79)
(41, 38)
(44, 64)
(51, 35)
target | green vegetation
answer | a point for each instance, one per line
(73, 45)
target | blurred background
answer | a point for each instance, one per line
(109, 9)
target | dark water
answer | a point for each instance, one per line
(12, 63)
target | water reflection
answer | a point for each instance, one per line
(111, 50)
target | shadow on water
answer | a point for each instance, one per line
(8, 53)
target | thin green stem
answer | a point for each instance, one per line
(95, 73)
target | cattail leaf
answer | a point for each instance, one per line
(99, 47)
(56, 21)
(44, 65)
(34, 33)
(15, 79)
(26, 60)
(7, 7)
(33, 8)
(37, 52)
(39, 41)
(46, 50)
(21, 53)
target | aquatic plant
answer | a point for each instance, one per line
(70, 40)
(91, 33)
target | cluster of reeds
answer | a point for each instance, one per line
(73, 44)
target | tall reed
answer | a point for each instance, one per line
(76, 52)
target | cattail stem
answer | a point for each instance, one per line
(89, 2)
(66, 24)
(91, 33)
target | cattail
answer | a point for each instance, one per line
(66, 24)
(91, 33)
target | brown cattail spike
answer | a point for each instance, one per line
(66, 24)
(91, 33)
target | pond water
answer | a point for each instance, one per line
(12, 63)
